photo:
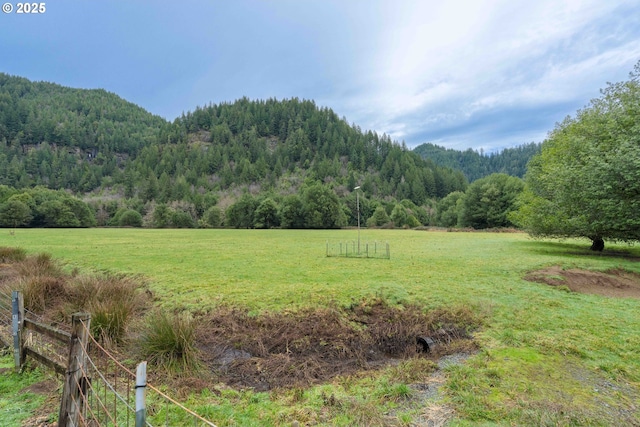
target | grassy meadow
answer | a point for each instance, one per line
(547, 356)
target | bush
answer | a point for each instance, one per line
(379, 218)
(168, 341)
(181, 219)
(130, 218)
(213, 217)
(413, 222)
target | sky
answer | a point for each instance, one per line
(481, 74)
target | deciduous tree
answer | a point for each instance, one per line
(586, 180)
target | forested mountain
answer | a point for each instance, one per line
(119, 156)
(66, 138)
(475, 165)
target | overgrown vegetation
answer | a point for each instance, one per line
(314, 345)
(49, 291)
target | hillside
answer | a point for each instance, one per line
(474, 165)
(263, 163)
(67, 138)
(93, 141)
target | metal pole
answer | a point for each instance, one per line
(141, 384)
(358, 210)
(17, 308)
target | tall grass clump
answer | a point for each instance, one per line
(112, 300)
(169, 341)
(40, 279)
(10, 255)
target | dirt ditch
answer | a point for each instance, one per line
(298, 349)
(616, 283)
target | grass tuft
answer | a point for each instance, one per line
(10, 254)
(168, 341)
(41, 292)
(112, 300)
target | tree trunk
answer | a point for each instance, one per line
(597, 244)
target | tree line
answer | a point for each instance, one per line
(476, 164)
(291, 164)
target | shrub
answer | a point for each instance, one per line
(168, 341)
(130, 218)
(181, 219)
(379, 218)
(413, 222)
(213, 217)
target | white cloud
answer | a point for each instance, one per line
(442, 62)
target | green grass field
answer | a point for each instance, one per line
(548, 356)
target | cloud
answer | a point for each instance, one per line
(481, 73)
(443, 66)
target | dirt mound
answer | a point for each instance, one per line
(297, 349)
(616, 283)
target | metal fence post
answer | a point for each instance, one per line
(17, 322)
(141, 388)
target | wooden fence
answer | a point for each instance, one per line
(98, 390)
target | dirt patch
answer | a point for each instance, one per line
(298, 349)
(615, 283)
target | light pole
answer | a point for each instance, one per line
(358, 210)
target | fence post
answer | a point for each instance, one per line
(141, 388)
(72, 403)
(17, 322)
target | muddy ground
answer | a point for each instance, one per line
(611, 283)
(298, 349)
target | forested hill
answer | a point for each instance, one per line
(67, 138)
(474, 165)
(93, 141)
(35, 112)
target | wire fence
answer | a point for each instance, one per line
(5, 318)
(110, 394)
(358, 249)
(99, 390)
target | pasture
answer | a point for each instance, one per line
(548, 356)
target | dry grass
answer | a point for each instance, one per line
(310, 346)
(38, 277)
(10, 254)
(113, 300)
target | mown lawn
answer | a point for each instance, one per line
(548, 356)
